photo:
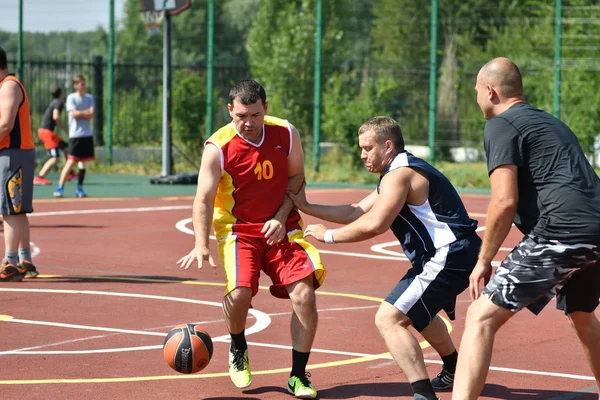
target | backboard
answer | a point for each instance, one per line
(171, 6)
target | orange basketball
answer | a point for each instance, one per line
(188, 348)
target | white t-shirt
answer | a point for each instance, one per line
(79, 127)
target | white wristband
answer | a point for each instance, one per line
(328, 236)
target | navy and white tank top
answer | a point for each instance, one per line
(441, 220)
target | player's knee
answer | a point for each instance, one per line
(303, 297)
(302, 291)
(239, 297)
(584, 323)
(485, 315)
(475, 313)
(388, 316)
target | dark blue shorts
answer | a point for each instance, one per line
(538, 269)
(433, 282)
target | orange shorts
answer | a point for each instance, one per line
(244, 257)
(50, 139)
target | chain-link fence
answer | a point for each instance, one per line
(375, 60)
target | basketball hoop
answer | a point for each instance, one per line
(152, 21)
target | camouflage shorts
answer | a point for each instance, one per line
(538, 269)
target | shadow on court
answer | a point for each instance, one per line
(231, 398)
(375, 390)
(394, 390)
(267, 389)
(503, 392)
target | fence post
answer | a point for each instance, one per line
(110, 78)
(433, 80)
(98, 93)
(209, 67)
(317, 88)
(20, 45)
(557, 52)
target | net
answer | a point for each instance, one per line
(152, 21)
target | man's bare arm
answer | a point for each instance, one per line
(11, 96)
(57, 120)
(342, 213)
(208, 181)
(295, 175)
(501, 211)
(393, 191)
(83, 114)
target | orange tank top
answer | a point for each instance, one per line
(20, 137)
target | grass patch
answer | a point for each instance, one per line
(146, 168)
(336, 168)
(466, 175)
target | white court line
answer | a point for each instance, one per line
(31, 350)
(262, 319)
(225, 339)
(392, 255)
(478, 215)
(108, 211)
(382, 248)
(181, 226)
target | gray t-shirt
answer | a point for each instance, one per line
(79, 127)
(559, 192)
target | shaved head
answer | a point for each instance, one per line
(504, 75)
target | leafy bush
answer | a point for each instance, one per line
(189, 110)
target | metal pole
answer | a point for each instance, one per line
(317, 88)
(167, 159)
(98, 94)
(209, 68)
(433, 80)
(557, 52)
(110, 78)
(20, 44)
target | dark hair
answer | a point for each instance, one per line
(247, 92)
(3, 60)
(78, 78)
(385, 128)
(56, 91)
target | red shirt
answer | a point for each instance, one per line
(254, 180)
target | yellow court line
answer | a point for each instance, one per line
(187, 376)
(423, 344)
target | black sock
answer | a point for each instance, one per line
(80, 176)
(299, 361)
(424, 388)
(450, 362)
(238, 340)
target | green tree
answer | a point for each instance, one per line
(188, 112)
(281, 48)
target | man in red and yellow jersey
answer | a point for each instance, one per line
(17, 162)
(246, 169)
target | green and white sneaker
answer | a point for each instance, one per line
(239, 368)
(301, 387)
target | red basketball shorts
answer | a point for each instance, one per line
(244, 257)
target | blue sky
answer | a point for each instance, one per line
(57, 15)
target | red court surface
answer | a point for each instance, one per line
(92, 325)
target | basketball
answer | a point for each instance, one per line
(188, 348)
